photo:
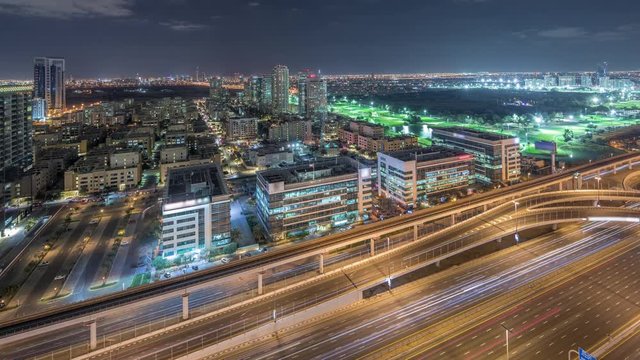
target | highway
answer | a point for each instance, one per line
(298, 251)
(229, 322)
(423, 320)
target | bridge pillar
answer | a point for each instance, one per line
(93, 335)
(321, 263)
(484, 208)
(453, 219)
(560, 186)
(260, 283)
(438, 263)
(554, 227)
(415, 232)
(615, 169)
(372, 246)
(579, 182)
(185, 306)
(630, 165)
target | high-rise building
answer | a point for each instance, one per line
(48, 84)
(290, 131)
(255, 90)
(302, 93)
(415, 175)
(603, 69)
(196, 211)
(280, 89)
(497, 157)
(316, 99)
(16, 131)
(266, 98)
(299, 200)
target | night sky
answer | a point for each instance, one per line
(111, 38)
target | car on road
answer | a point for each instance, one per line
(43, 263)
(60, 277)
(167, 275)
(94, 221)
(194, 267)
(224, 260)
(125, 242)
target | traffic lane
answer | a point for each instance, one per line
(338, 332)
(369, 274)
(583, 311)
(377, 269)
(64, 247)
(627, 350)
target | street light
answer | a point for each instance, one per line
(506, 334)
(598, 178)
(515, 206)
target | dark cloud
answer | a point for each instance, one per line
(67, 8)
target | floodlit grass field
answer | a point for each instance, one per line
(574, 150)
(628, 105)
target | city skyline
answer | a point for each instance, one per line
(358, 36)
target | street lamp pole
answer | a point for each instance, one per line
(506, 334)
(515, 206)
(598, 178)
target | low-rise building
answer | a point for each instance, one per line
(196, 213)
(242, 129)
(104, 169)
(412, 176)
(303, 199)
(497, 156)
(270, 156)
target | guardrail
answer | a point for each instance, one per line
(288, 252)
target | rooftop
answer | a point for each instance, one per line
(194, 182)
(475, 133)
(320, 169)
(421, 154)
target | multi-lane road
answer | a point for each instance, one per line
(457, 314)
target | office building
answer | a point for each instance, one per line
(242, 129)
(196, 211)
(280, 89)
(302, 94)
(497, 157)
(411, 177)
(310, 198)
(16, 129)
(271, 156)
(49, 85)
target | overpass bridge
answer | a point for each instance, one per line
(459, 236)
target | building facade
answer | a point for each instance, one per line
(49, 84)
(315, 99)
(497, 157)
(289, 131)
(312, 198)
(196, 211)
(413, 176)
(16, 128)
(242, 129)
(280, 89)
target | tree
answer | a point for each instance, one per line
(160, 263)
(568, 135)
(235, 234)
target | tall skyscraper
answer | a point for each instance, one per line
(316, 98)
(280, 89)
(16, 129)
(266, 100)
(48, 85)
(302, 93)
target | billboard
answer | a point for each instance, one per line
(546, 146)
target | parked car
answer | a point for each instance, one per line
(194, 267)
(60, 277)
(167, 275)
(43, 263)
(224, 260)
